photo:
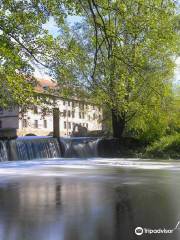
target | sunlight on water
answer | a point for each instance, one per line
(56, 166)
(140, 163)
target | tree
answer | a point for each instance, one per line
(130, 48)
(23, 43)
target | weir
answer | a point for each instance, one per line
(3, 151)
(80, 147)
(28, 148)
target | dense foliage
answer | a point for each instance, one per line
(23, 42)
(123, 55)
(166, 147)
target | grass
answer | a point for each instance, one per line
(166, 147)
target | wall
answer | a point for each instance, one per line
(85, 114)
(9, 118)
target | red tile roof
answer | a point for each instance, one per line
(45, 84)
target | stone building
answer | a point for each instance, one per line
(38, 120)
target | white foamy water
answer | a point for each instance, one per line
(57, 167)
(139, 163)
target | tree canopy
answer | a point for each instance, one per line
(23, 42)
(123, 54)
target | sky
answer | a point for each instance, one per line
(177, 71)
(53, 29)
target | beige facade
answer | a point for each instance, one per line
(39, 120)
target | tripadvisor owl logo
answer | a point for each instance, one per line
(139, 231)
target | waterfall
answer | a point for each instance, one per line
(82, 147)
(28, 148)
(34, 148)
(3, 151)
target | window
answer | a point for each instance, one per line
(0, 124)
(69, 125)
(64, 103)
(45, 123)
(89, 117)
(94, 116)
(73, 104)
(73, 114)
(69, 103)
(44, 111)
(80, 116)
(45, 87)
(24, 123)
(87, 125)
(35, 110)
(65, 125)
(69, 113)
(64, 113)
(81, 106)
(83, 115)
(1, 110)
(10, 109)
(36, 123)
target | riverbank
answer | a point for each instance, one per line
(167, 147)
(28, 148)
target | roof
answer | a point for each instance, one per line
(46, 87)
(45, 84)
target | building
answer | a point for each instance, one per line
(38, 120)
(8, 118)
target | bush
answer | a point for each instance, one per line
(166, 147)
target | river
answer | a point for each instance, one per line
(89, 199)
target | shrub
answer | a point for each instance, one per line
(166, 147)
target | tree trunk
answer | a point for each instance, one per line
(118, 124)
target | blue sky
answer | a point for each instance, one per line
(177, 71)
(53, 29)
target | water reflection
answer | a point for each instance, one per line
(89, 208)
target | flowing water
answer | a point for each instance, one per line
(34, 148)
(3, 151)
(28, 148)
(89, 199)
(82, 147)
